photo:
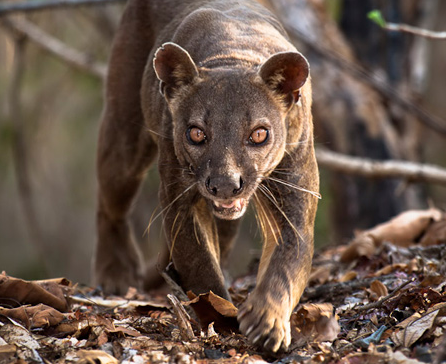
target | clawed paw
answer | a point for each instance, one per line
(116, 276)
(266, 325)
(113, 282)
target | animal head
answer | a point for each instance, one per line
(229, 124)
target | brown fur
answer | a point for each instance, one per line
(226, 68)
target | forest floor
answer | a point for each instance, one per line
(379, 299)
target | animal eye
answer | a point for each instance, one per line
(195, 135)
(259, 136)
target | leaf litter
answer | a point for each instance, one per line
(380, 299)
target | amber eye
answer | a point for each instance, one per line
(259, 136)
(195, 135)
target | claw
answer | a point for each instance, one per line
(250, 329)
(257, 338)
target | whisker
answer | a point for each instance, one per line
(160, 135)
(151, 220)
(263, 216)
(174, 238)
(270, 197)
(292, 185)
(299, 142)
(174, 200)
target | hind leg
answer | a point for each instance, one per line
(125, 152)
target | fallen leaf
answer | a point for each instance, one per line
(314, 322)
(404, 267)
(7, 352)
(416, 325)
(320, 275)
(27, 343)
(50, 293)
(349, 276)
(377, 290)
(362, 246)
(399, 358)
(415, 298)
(210, 307)
(402, 230)
(435, 234)
(96, 357)
(405, 228)
(432, 280)
(34, 316)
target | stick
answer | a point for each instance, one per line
(54, 46)
(383, 299)
(433, 122)
(381, 169)
(416, 31)
(187, 334)
(32, 6)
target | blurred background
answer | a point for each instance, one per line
(50, 111)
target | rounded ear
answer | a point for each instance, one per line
(174, 68)
(285, 73)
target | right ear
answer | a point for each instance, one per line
(174, 67)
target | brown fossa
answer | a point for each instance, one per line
(216, 92)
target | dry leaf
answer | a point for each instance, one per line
(314, 322)
(405, 267)
(212, 308)
(377, 290)
(416, 325)
(96, 357)
(349, 276)
(34, 316)
(7, 353)
(51, 293)
(362, 246)
(402, 230)
(405, 228)
(321, 274)
(435, 233)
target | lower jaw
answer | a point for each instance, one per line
(229, 214)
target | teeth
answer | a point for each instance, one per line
(234, 204)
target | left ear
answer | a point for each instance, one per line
(285, 73)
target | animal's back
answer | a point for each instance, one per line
(242, 30)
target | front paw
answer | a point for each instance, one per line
(117, 280)
(116, 273)
(265, 322)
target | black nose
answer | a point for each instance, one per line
(225, 186)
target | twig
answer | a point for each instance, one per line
(376, 16)
(329, 290)
(416, 31)
(383, 299)
(54, 46)
(31, 6)
(20, 153)
(381, 169)
(433, 122)
(183, 319)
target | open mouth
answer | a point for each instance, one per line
(230, 210)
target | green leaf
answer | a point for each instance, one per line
(376, 16)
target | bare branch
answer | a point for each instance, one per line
(376, 16)
(336, 59)
(381, 169)
(54, 46)
(32, 6)
(416, 31)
